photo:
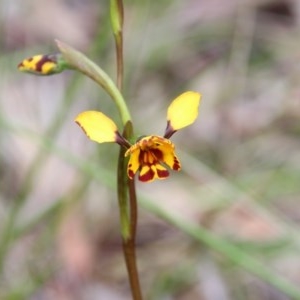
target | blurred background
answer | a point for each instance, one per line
(59, 221)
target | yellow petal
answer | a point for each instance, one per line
(183, 111)
(133, 163)
(170, 158)
(97, 126)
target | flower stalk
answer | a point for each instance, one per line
(126, 186)
(117, 19)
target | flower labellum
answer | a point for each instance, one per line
(149, 156)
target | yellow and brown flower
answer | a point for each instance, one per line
(43, 64)
(150, 155)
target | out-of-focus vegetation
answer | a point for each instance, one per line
(227, 226)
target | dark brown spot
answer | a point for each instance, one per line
(157, 153)
(176, 165)
(149, 175)
(42, 61)
(130, 174)
(162, 173)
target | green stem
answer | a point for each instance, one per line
(122, 195)
(119, 41)
(133, 208)
(117, 18)
(125, 186)
(130, 244)
(128, 220)
(130, 259)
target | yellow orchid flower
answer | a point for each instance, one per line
(150, 155)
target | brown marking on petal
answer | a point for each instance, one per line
(142, 158)
(150, 156)
(162, 173)
(130, 172)
(20, 65)
(176, 165)
(157, 153)
(81, 127)
(148, 176)
(42, 61)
